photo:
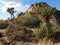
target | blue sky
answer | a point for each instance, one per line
(22, 6)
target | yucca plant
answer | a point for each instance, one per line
(46, 13)
(40, 34)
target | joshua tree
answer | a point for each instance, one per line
(46, 12)
(11, 11)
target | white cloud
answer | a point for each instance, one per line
(14, 0)
(17, 4)
(12, 3)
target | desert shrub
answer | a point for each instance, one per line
(17, 31)
(3, 24)
(29, 20)
(40, 34)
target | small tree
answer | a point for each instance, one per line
(11, 11)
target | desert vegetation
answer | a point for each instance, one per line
(3, 24)
(32, 27)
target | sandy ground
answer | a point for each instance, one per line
(19, 43)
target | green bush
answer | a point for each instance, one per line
(45, 33)
(3, 24)
(29, 20)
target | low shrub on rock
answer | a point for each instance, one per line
(29, 20)
(3, 24)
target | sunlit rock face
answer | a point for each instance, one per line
(35, 6)
(32, 9)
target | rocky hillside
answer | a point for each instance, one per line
(42, 9)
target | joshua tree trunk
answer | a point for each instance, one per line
(11, 16)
